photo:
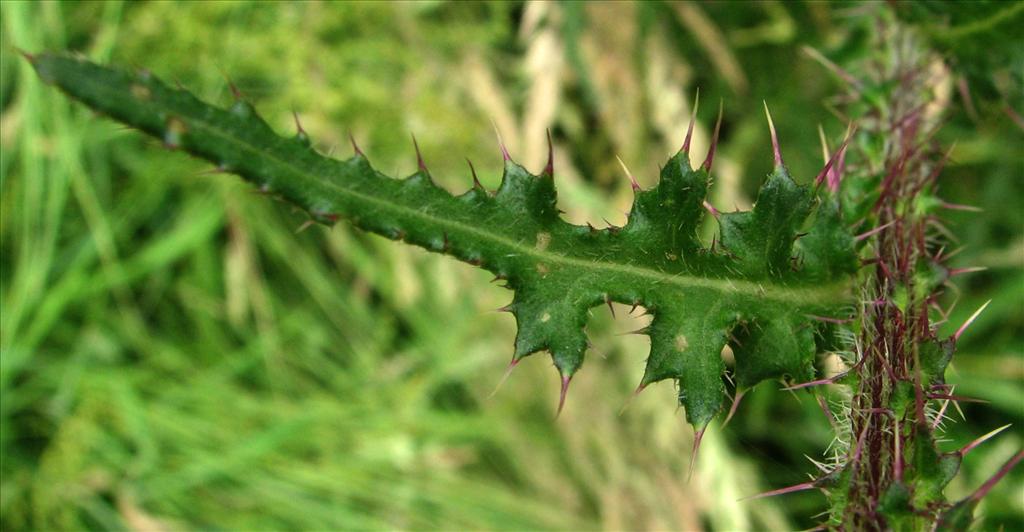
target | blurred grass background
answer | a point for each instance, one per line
(173, 355)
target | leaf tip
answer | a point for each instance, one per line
(608, 301)
(982, 439)
(563, 393)
(960, 331)
(501, 143)
(698, 436)
(714, 140)
(831, 172)
(632, 397)
(782, 491)
(710, 208)
(420, 164)
(775, 136)
(300, 132)
(504, 376)
(355, 147)
(632, 180)
(693, 119)
(549, 168)
(735, 404)
(472, 170)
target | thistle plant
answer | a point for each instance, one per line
(848, 265)
(893, 475)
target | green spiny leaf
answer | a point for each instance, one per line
(895, 506)
(760, 277)
(934, 356)
(932, 471)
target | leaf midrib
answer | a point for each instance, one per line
(799, 295)
(803, 296)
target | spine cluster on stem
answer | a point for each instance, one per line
(894, 475)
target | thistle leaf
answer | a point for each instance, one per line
(759, 278)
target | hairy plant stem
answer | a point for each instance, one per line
(886, 421)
